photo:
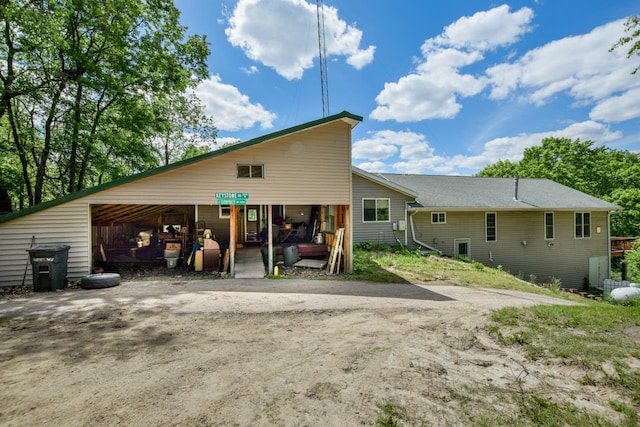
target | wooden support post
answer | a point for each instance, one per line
(348, 240)
(270, 259)
(233, 232)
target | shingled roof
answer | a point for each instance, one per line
(471, 192)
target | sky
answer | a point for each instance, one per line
(443, 87)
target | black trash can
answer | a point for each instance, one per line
(49, 266)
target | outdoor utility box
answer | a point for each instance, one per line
(49, 266)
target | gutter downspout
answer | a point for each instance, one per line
(413, 236)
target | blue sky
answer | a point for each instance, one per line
(444, 87)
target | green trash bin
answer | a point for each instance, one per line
(49, 266)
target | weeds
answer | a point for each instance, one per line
(392, 415)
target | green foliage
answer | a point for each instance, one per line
(632, 39)
(612, 175)
(89, 87)
(392, 415)
(632, 260)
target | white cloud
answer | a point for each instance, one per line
(415, 155)
(282, 34)
(485, 30)
(226, 140)
(250, 70)
(580, 66)
(412, 148)
(230, 109)
(618, 108)
(373, 166)
(432, 91)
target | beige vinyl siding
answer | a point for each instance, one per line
(309, 167)
(564, 257)
(377, 232)
(312, 166)
(65, 224)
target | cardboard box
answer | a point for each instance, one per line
(171, 246)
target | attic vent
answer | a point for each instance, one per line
(515, 183)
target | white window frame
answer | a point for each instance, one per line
(582, 227)
(553, 226)
(251, 166)
(455, 247)
(439, 215)
(376, 209)
(221, 214)
(486, 227)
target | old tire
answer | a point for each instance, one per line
(100, 281)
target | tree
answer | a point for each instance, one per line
(632, 28)
(181, 128)
(612, 175)
(83, 85)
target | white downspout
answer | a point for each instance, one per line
(413, 236)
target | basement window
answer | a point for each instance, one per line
(250, 171)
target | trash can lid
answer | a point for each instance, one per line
(49, 248)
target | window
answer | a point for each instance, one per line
(250, 171)
(224, 211)
(491, 227)
(549, 229)
(375, 210)
(583, 225)
(330, 218)
(438, 218)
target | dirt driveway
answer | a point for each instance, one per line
(260, 352)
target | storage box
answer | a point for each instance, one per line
(171, 246)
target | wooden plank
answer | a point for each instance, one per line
(336, 251)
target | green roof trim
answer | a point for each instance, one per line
(350, 118)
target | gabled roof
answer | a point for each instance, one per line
(472, 192)
(345, 116)
(384, 182)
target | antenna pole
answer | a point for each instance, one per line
(322, 54)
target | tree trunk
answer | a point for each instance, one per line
(75, 135)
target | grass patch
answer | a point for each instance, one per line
(397, 265)
(592, 336)
(579, 333)
(392, 415)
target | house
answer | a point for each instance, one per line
(534, 228)
(297, 177)
(300, 181)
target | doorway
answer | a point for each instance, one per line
(462, 248)
(251, 219)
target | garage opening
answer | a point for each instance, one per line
(141, 233)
